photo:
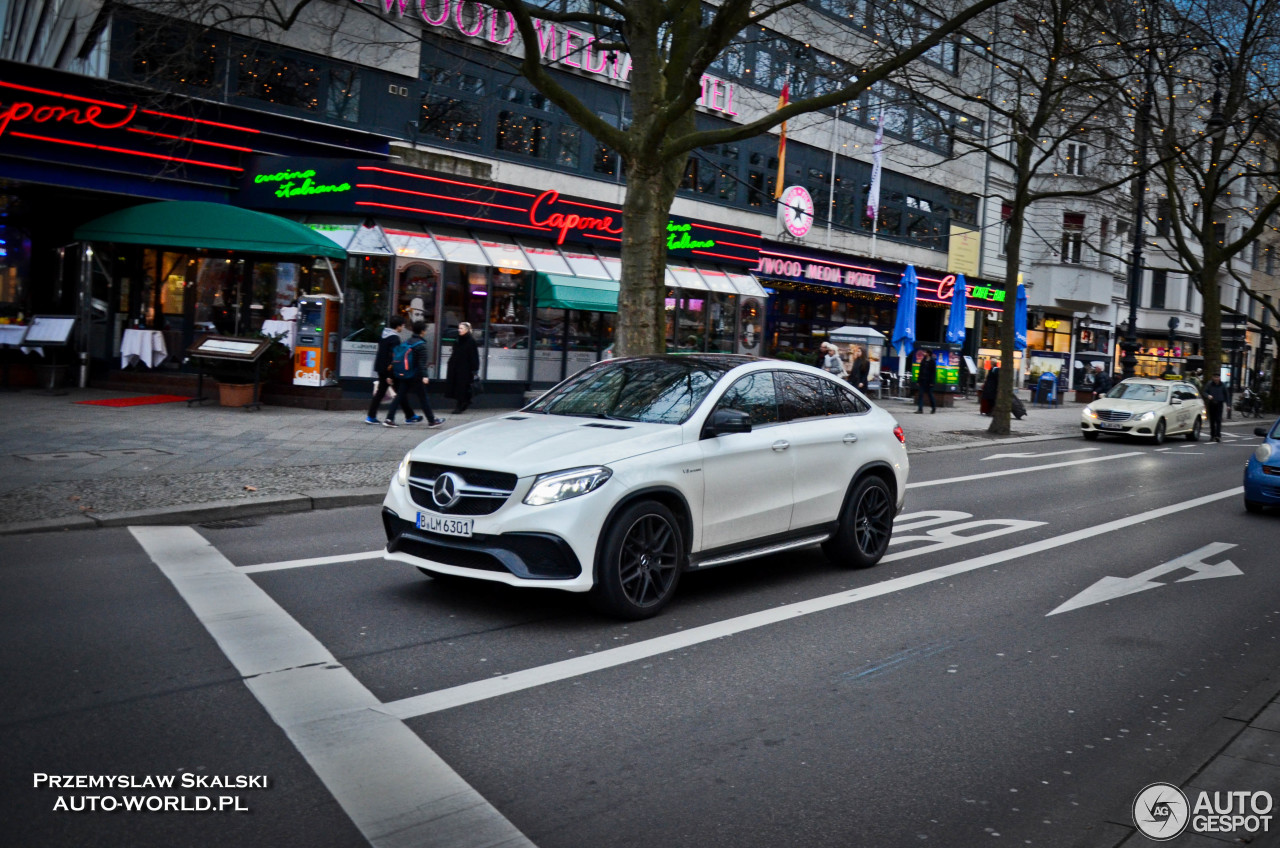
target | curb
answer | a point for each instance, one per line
(1191, 761)
(199, 513)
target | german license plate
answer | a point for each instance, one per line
(445, 525)
(1110, 425)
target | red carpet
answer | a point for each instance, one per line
(141, 400)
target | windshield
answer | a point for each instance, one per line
(1140, 391)
(654, 391)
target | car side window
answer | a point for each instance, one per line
(842, 401)
(802, 396)
(755, 395)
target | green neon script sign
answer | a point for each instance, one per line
(300, 184)
(678, 238)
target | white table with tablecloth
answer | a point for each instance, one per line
(145, 346)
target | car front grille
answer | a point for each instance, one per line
(482, 492)
(1273, 470)
(1113, 415)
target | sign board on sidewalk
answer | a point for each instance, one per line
(49, 330)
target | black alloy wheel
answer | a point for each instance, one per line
(1158, 438)
(866, 525)
(1194, 435)
(640, 561)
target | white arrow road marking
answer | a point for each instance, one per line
(1110, 588)
(1026, 470)
(1028, 455)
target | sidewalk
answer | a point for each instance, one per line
(67, 465)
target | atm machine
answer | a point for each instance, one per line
(315, 359)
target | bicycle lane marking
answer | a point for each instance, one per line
(480, 690)
(397, 791)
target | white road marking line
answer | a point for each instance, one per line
(396, 790)
(1031, 455)
(1028, 470)
(480, 690)
(303, 563)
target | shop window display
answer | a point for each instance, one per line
(507, 336)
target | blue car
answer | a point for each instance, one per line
(1262, 473)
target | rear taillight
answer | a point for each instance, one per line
(902, 437)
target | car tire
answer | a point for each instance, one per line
(866, 525)
(1194, 434)
(640, 560)
(1253, 506)
(1091, 435)
(1158, 438)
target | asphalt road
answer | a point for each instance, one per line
(992, 679)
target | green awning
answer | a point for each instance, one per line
(559, 291)
(211, 226)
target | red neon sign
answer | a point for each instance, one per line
(20, 111)
(564, 222)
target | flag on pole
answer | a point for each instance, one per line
(873, 196)
(782, 144)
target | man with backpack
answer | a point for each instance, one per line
(409, 362)
(383, 379)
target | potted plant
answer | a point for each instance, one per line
(236, 379)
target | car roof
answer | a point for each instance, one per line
(1150, 381)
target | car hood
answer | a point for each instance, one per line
(1137, 407)
(533, 443)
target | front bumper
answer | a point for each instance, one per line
(1119, 428)
(1259, 485)
(527, 556)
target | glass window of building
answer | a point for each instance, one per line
(507, 336)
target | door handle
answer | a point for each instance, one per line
(850, 438)
(781, 445)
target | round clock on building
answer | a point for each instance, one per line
(795, 210)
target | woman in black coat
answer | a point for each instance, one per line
(464, 366)
(990, 388)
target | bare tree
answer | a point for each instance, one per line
(1217, 128)
(1048, 75)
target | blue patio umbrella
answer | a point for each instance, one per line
(904, 326)
(1020, 319)
(959, 303)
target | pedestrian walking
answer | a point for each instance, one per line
(383, 380)
(925, 380)
(859, 369)
(464, 367)
(411, 367)
(1101, 382)
(1215, 395)
(831, 362)
(990, 388)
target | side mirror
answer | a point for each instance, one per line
(1176, 402)
(1260, 431)
(724, 421)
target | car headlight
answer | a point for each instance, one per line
(402, 472)
(1264, 452)
(1089, 413)
(1146, 416)
(562, 485)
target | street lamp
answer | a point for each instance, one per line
(1129, 362)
